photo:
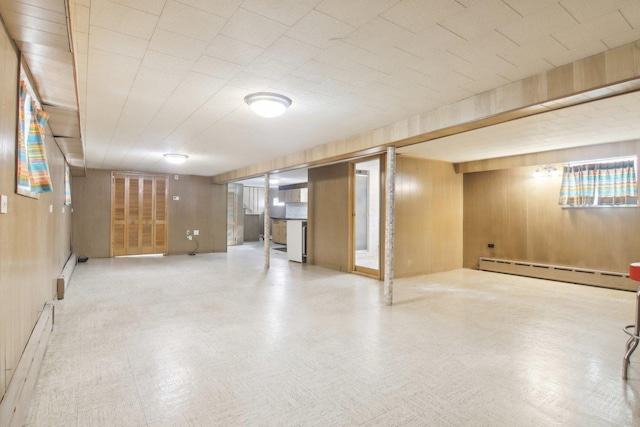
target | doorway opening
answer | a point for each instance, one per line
(366, 197)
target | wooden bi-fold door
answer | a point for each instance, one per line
(138, 214)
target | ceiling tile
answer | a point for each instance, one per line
(315, 71)
(559, 58)
(232, 50)
(190, 22)
(355, 12)
(483, 17)
(378, 34)
(584, 11)
(291, 51)
(342, 55)
(269, 68)
(439, 64)
(527, 7)
(177, 45)
(538, 25)
(593, 31)
(622, 38)
(541, 48)
(319, 30)
(423, 45)
(487, 45)
(632, 14)
(217, 67)
(287, 12)
(251, 82)
(224, 8)
(294, 85)
(122, 19)
(418, 15)
(149, 6)
(119, 43)
(168, 63)
(390, 60)
(254, 29)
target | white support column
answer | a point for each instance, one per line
(389, 224)
(267, 222)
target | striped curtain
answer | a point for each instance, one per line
(617, 184)
(33, 167)
(599, 184)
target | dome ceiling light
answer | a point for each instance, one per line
(175, 158)
(267, 104)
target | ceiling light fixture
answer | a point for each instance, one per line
(175, 158)
(547, 170)
(267, 104)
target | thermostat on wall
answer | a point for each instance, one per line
(176, 197)
(3, 204)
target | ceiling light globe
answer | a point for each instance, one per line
(267, 104)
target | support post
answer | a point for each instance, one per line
(267, 222)
(390, 186)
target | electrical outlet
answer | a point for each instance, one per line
(3, 204)
(196, 232)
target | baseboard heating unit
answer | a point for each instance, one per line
(583, 276)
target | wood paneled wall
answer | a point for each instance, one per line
(328, 215)
(520, 215)
(428, 217)
(34, 242)
(202, 206)
(92, 213)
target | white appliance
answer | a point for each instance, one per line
(297, 240)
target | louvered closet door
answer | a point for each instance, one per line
(139, 214)
(118, 215)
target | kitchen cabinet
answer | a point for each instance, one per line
(279, 231)
(296, 195)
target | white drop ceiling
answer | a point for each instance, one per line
(159, 76)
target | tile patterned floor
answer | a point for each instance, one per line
(214, 340)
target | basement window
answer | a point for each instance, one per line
(600, 183)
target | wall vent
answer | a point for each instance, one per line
(583, 276)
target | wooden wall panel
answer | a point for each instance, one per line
(92, 214)
(428, 213)
(328, 215)
(521, 216)
(198, 208)
(35, 233)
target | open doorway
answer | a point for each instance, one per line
(366, 195)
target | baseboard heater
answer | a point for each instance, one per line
(583, 276)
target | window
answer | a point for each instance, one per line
(610, 182)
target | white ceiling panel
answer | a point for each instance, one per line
(287, 12)
(149, 6)
(254, 29)
(483, 17)
(319, 29)
(224, 8)
(177, 45)
(190, 22)
(356, 12)
(122, 19)
(183, 67)
(114, 42)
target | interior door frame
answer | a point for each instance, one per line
(353, 268)
(128, 174)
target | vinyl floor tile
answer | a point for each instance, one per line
(215, 340)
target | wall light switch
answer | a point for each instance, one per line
(176, 197)
(3, 204)
(176, 177)
(63, 210)
(50, 208)
(196, 232)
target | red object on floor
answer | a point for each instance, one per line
(634, 271)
